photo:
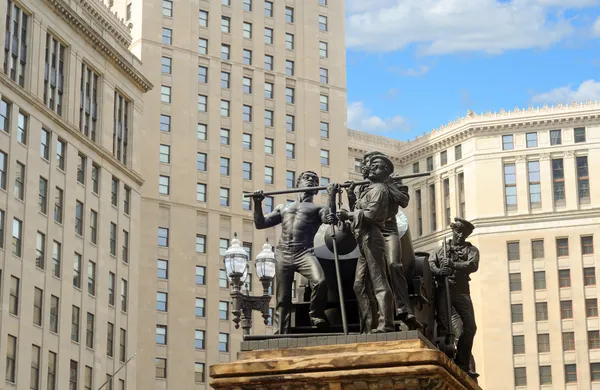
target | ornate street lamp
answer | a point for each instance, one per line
(236, 266)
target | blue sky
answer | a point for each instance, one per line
(413, 65)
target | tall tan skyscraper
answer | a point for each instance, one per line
(528, 180)
(71, 105)
(249, 93)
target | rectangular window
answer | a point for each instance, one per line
(225, 107)
(11, 359)
(246, 170)
(54, 75)
(89, 331)
(247, 30)
(518, 345)
(324, 128)
(161, 301)
(15, 293)
(3, 169)
(35, 368)
(324, 102)
(200, 192)
(543, 341)
(165, 123)
(269, 62)
(513, 249)
(43, 195)
(125, 247)
(247, 113)
(558, 182)
(587, 245)
(91, 278)
(225, 24)
(583, 180)
(111, 288)
(225, 52)
(564, 278)
(20, 181)
(568, 339)
(17, 234)
(203, 18)
(531, 140)
(555, 137)
(38, 306)
(515, 282)
(510, 186)
(202, 46)
(570, 373)
(268, 36)
(22, 127)
(121, 127)
(247, 5)
(323, 49)
(545, 375)
(51, 370)
(457, 152)
(167, 36)
(202, 74)
(269, 9)
(110, 337)
(201, 132)
(289, 41)
(200, 305)
(223, 279)
(324, 157)
(15, 47)
(77, 270)
(161, 334)
(224, 166)
(429, 162)
(591, 307)
(165, 94)
(88, 370)
(562, 247)
(432, 207)
(95, 178)
(167, 8)
(199, 338)
(223, 310)
(201, 161)
(200, 275)
(323, 76)
(122, 345)
(81, 168)
(290, 123)
(5, 108)
(535, 188)
(537, 249)
(268, 145)
(54, 310)
(269, 175)
(163, 184)
(88, 101)
(443, 158)
(160, 370)
(269, 118)
(123, 295)
(78, 218)
(539, 280)
(447, 211)
(93, 227)
(579, 134)
(508, 142)
(162, 267)
(461, 195)
(541, 311)
(200, 243)
(163, 237)
(113, 239)
(290, 179)
(199, 372)
(289, 67)
(589, 276)
(593, 339)
(223, 342)
(289, 95)
(58, 205)
(419, 201)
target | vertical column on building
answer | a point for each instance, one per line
(546, 183)
(425, 206)
(522, 185)
(571, 190)
(453, 198)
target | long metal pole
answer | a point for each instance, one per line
(116, 372)
(345, 185)
(338, 275)
(447, 285)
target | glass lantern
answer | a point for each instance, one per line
(265, 263)
(236, 262)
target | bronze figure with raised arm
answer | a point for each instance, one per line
(299, 222)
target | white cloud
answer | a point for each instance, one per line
(451, 26)
(596, 28)
(587, 90)
(361, 118)
(413, 72)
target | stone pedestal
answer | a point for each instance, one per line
(384, 361)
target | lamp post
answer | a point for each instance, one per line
(236, 266)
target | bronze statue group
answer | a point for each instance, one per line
(380, 282)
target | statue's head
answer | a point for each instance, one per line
(366, 162)
(461, 229)
(308, 179)
(380, 168)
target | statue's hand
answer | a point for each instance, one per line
(343, 215)
(332, 188)
(258, 196)
(351, 186)
(445, 271)
(330, 219)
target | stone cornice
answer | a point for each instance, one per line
(360, 142)
(99, 43)
(489, 123)
(109, 20)
(73, 131)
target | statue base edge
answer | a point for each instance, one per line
(399, 364)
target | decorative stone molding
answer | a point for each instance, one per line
(108, 19)
(99, 43)
(544, 157)
(569, 153)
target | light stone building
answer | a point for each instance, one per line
(71, 105)
(248, 94)
(527, 180)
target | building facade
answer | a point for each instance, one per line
(71, 102)
(528, 181)
(249, 93)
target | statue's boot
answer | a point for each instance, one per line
(411, 321)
